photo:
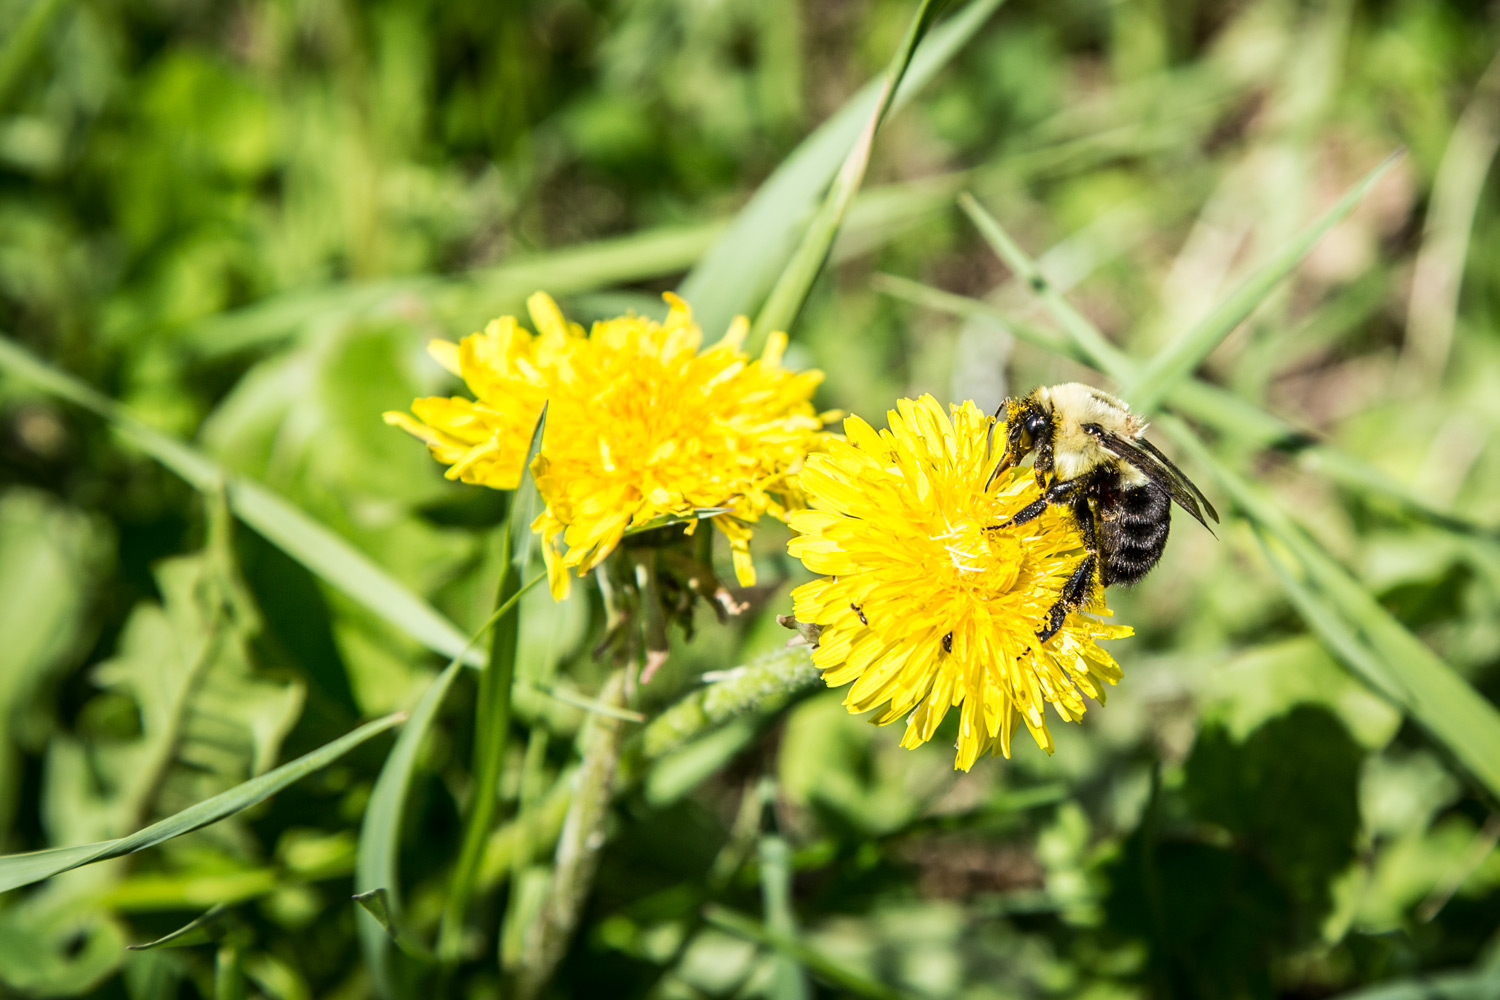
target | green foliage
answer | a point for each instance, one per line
(227, 231)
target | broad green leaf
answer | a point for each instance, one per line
(23, 869)
(1482, 984)
(53, 946)
(1156, 380)
(806, 262)
(322, 551)
(49, 558)
(380, 831)
(19, 50)
(731, 278)
(208, 719)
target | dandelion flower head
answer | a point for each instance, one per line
(641, 425)
(924, 604)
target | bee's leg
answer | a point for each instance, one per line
(1075, 592)
(1056, 493)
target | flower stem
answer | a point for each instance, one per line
(577, 857)
(491, 734)
(764, 685)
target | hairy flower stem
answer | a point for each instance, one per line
(491, 732)
(577, 857)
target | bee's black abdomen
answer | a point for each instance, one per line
(1134, 532)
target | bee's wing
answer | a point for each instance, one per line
(1158, 468)
(1179, 478)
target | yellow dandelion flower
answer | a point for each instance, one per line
(641, 425)
(924, 607)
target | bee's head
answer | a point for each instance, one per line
(1028, 422)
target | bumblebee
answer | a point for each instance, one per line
(1091, 457)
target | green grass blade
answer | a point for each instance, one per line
(1208, 404)
(492, 707)
(807, 260)
(731, 278)
(1404, 669)
(277, 519)
(1092, 344)
(376, 858)
(474, 295)
(1185, 352)
(23, 869)
(846, 980)
(376, 903)
(205, 928)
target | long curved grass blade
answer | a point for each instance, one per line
(1091, 343)
(23, 869)
(796, 279)
(1376, 647)
(203, 929)
(493, 707)
(1204, 402)
(1456, 193)
(731, 278)
(847, 980)
(277, 519)
(1397, 664)
(1185, 352)
(375, 862)
(584, 267)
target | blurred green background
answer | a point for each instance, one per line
(244, 221)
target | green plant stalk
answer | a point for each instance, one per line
(577, 857)
(787, 979)
(802, 269)
(769, 680)
(491, 737)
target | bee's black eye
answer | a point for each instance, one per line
(1035, 424)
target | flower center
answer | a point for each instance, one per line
(975, 560)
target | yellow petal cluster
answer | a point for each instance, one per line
(924, 605)
(641, 425)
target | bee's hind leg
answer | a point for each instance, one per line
(1075, 592)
